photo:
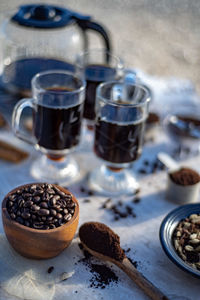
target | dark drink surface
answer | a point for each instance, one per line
(118, 143)
(58, 128)
(19, 73)
(95, 74)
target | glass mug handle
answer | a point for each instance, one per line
(16, 120)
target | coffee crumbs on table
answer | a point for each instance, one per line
(102, 275)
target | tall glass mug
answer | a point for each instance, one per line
(97, 66)
(121, 111)
(57, 106)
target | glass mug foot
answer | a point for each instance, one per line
(65, 171)
(106, 181)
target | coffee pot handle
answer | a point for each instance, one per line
(89, 25)
(16, 120)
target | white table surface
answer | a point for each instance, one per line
(141, 234)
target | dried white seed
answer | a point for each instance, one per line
(64, 276)
(176, 244)
(194, 266)
(189, 248)
(186, 224)
(180, 249)
(195, 220)
(193, 236)
(197, 264)
(178, 233)
(193, 216)
(183, 256)
(195, 241)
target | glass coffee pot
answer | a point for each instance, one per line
(44, 37)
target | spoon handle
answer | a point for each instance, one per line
(168, 161)
(148, 288)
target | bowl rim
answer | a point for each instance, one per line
(172, 255)
(33, 230)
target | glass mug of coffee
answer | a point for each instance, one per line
(97, 66)
(57, 106)
(121, 111)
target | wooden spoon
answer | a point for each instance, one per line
(148, 288)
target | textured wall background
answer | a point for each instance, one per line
(162, 37)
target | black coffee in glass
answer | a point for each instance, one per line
(57, 127)
(94, 75)
(118, 143)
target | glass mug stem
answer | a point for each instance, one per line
(16, 120)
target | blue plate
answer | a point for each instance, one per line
(167, 228)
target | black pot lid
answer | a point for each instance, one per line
(46, 16)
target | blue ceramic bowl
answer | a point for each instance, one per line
(167, 228)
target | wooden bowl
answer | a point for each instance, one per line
(35, 243)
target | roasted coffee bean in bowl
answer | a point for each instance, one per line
(183, 185)
(40, 219)
(180, 237)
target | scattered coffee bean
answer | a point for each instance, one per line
(50, 269)
(41, 206)
(119, 210)
(86, 200)
(151, 166)
(136, 200)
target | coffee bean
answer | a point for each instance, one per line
(71, 204)
(13, 216)
(27, 195)
(44, 204)
(52, 202)
(53, 212)
(25, 215)
(35, 207)
(18, 213)
(56, 197)
(43, 212)
(52, 226)
(59, 209)
(36, 199)
(50, 269)
(50, 191)
(21, 202)
(65, 211)
(28, 203)
(33, 188)
(49, 218)
(59, 216)
(67, 217)
(10, 203)
(37, 226)
(67, 196)
(12, 197)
